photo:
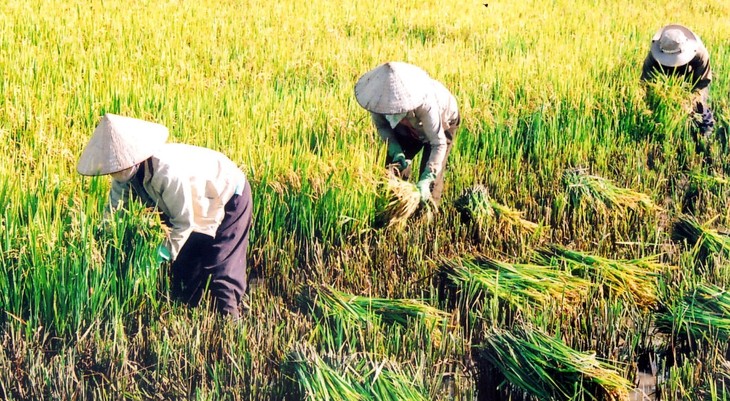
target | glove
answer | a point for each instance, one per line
(706, 122)
(424, 185)
(402, 162)
(394, 149)
(163, 254)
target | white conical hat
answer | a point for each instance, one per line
(674, 45)
(119, 143)
(392, 88)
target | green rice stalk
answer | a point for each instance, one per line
(633, 280)
(355, 308)
(603, 195)
(317, 380)
(547, 368)
(475, 204)
(520, 285)
(701, 315)
(387, 382)
(699, 235)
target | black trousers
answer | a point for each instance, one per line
(216, 266)
(411, 145)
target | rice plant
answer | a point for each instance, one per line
(398, 202)
(355, 377)
(709, 241)
(356, 308)
(476, 205)
(634, 280)
(702, 314)
(602, 195)
(547, 369)
(523, 286)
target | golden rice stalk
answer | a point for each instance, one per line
(476, 205)
(400, 200)
(602, 194)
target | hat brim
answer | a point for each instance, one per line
(119, 143)
(392, 88)
(687, 52)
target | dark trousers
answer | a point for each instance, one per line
(218, 264)
(411, 145)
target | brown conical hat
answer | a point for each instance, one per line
(674, 45)
(119, 143)
(392, 88)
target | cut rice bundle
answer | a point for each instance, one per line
(367, 310)
(603, 195)
(399, 202)
(708, 240)
(633, 280)
(524, 286)
(547, 368)
(701, 315)
(476, 205)
(352, 377)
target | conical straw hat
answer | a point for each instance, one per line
(392, 88)
(119, 143)
(674, 45)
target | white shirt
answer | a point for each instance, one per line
(190, 185)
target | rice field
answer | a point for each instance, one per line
(592, 245)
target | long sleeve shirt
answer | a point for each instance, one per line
(438, 112)
(190, 185)
(697, 71)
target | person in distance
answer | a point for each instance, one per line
(411, 112)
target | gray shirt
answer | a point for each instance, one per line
(438, 112)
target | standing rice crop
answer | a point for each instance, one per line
(547, 368)
(634, 280)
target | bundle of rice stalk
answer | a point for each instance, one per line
(400, 200)
(362, 309)
(707, 181)
(475, 204)
(387, 382)
(701, 315)
(633, 280)
(317, 380)
(520, 285)
(668, 99)
(546, 368)
(602, 194)
(708, 240)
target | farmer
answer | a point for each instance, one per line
(411, 111)
(204, 198)
(675, 50)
